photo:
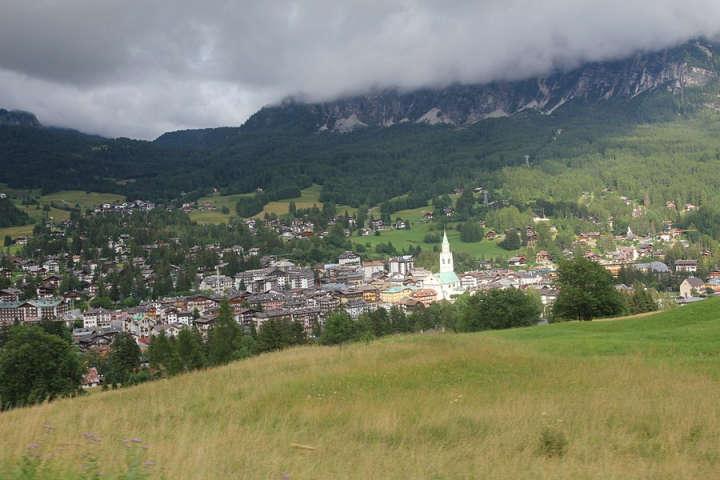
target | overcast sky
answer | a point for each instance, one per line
(139, 68)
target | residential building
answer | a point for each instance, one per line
(692, 287)
(686, 266)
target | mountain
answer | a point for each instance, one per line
(18, 118)
(368, 149)
(694, 64)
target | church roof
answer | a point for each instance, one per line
(446, 278)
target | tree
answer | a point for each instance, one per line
(190, 349)
(163, 355)
(512, 240)
(380, 322)
(586, 291)
(224, 337)
(36, 366)
(56, 328)
(279, 333)
(497, 309)
(466, 202)
(641, 300)
(339, 328)
(123, 361)
(399, 321)
(471, 232)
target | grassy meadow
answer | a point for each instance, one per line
(308, 198)
(59, 203)
(218, 201)
(76, 198)
(633, 398)
(404, 239)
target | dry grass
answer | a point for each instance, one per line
(493, 405)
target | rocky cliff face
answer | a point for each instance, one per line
(694, 64)
(18, 118)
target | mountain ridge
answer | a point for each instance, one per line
(18, 118)
(693, 64)
(359, 149)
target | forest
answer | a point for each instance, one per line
(651, 145)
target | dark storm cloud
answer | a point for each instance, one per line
(140, 68)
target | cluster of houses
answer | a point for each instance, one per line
(14, 310)
(282, 290)
(125, 207)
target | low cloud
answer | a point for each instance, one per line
(141, 68)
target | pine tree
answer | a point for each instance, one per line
(225, 340)
(163, 355)
(123, 361)
(190, 350)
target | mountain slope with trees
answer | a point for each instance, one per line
(427, 142)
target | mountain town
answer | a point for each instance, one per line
(116, 285)
(376, 240)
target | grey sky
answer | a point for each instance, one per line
(139, 68)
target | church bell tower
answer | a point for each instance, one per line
(446, 256)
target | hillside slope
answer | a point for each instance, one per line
(613, 400)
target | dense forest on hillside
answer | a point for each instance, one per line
(656, 145)
(10, 215)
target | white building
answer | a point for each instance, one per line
(97, 318)
(372, 267)
(445, 283)
(217, 284)
(349, 258)
(402, 265)
(692, 287)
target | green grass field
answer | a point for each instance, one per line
(308, 198)
(58, 202)
(77, 198)
(218, 201)
(632, 398)
(403, 239)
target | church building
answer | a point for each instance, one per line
(445, 283)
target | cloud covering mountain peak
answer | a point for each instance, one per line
(140, 68)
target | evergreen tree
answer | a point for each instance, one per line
(471, 232)
(224, 337)
(190, 349)
(641, 300)
(465, 203)
(276, 334)
(163, 355)
(398, 321)
(123, 361)
(380, 322)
